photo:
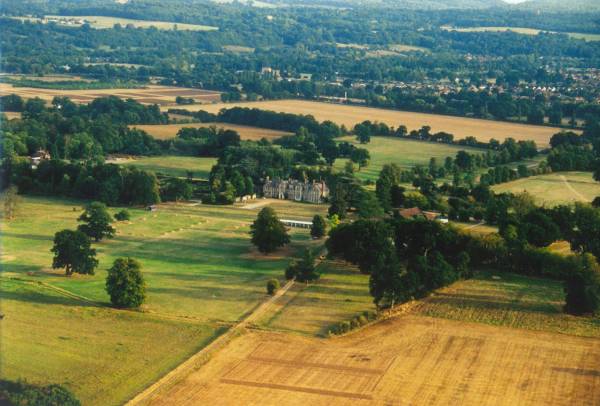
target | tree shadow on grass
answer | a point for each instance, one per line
(28, 292)
(28, 237)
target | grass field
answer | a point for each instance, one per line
(555, 188)
(340, 294)
(151, 94)
(172, 165)
(405, 153)
(201, 272)
(461, 127)
(407, 359)
(167, 131)
(508, 300)
(101, 22)
(525, 31)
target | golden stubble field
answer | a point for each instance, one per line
(168, 131)
(405, 360)
(461, 127)
(151, 94)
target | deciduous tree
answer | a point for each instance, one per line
(72, 251)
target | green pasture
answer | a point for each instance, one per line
(172, 165)
(555, 188)
(509, 300)
(403, 152)
(341, 293)
(200, 269)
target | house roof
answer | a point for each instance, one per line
(410, 212)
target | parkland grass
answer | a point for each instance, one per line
(403, 152)
(172, 165)
(509, 300)
(312, 309)
(555, 188)
(200, 268)
(461, 127)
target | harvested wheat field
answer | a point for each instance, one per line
(167, 131)
(405, 360)
(461, 127)
(151, 94)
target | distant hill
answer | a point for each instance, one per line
(560, 5)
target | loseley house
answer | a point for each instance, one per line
(313, 192)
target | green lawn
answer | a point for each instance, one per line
(341, 293)
(103, 355)
(509, 300)
(405, 153)
(174, 165)
(200, 268)
(555, 188)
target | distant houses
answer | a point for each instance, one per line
(38, 157)
(312, 192)
(415, 212)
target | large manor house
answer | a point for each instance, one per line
(313, 192)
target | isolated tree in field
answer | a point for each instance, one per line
(125, 284)
(96, 222)
(272, 286)
(582, 288)
(268, 233)
(361, 157)
(303, 270)
(72, 251)
(11, 203)
(319, 227)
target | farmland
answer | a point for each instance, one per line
(101, 22)
(151, 94)
(525, 31)
(483, 130)
(177, 166)
(405, 153)
(555, 188)
(167, 131)
(417, 359)
(201, 272)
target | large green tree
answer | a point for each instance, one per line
(582, 288)
(72, 251)
(268, 233)
(125, 284)
(304, 270)
(319, 226)
(96, 222)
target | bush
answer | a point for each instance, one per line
(272, 286)
(122, 215)
(23, 394)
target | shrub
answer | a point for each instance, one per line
(23, 394)
(362, 320)
(122, 215)
(272, 286)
